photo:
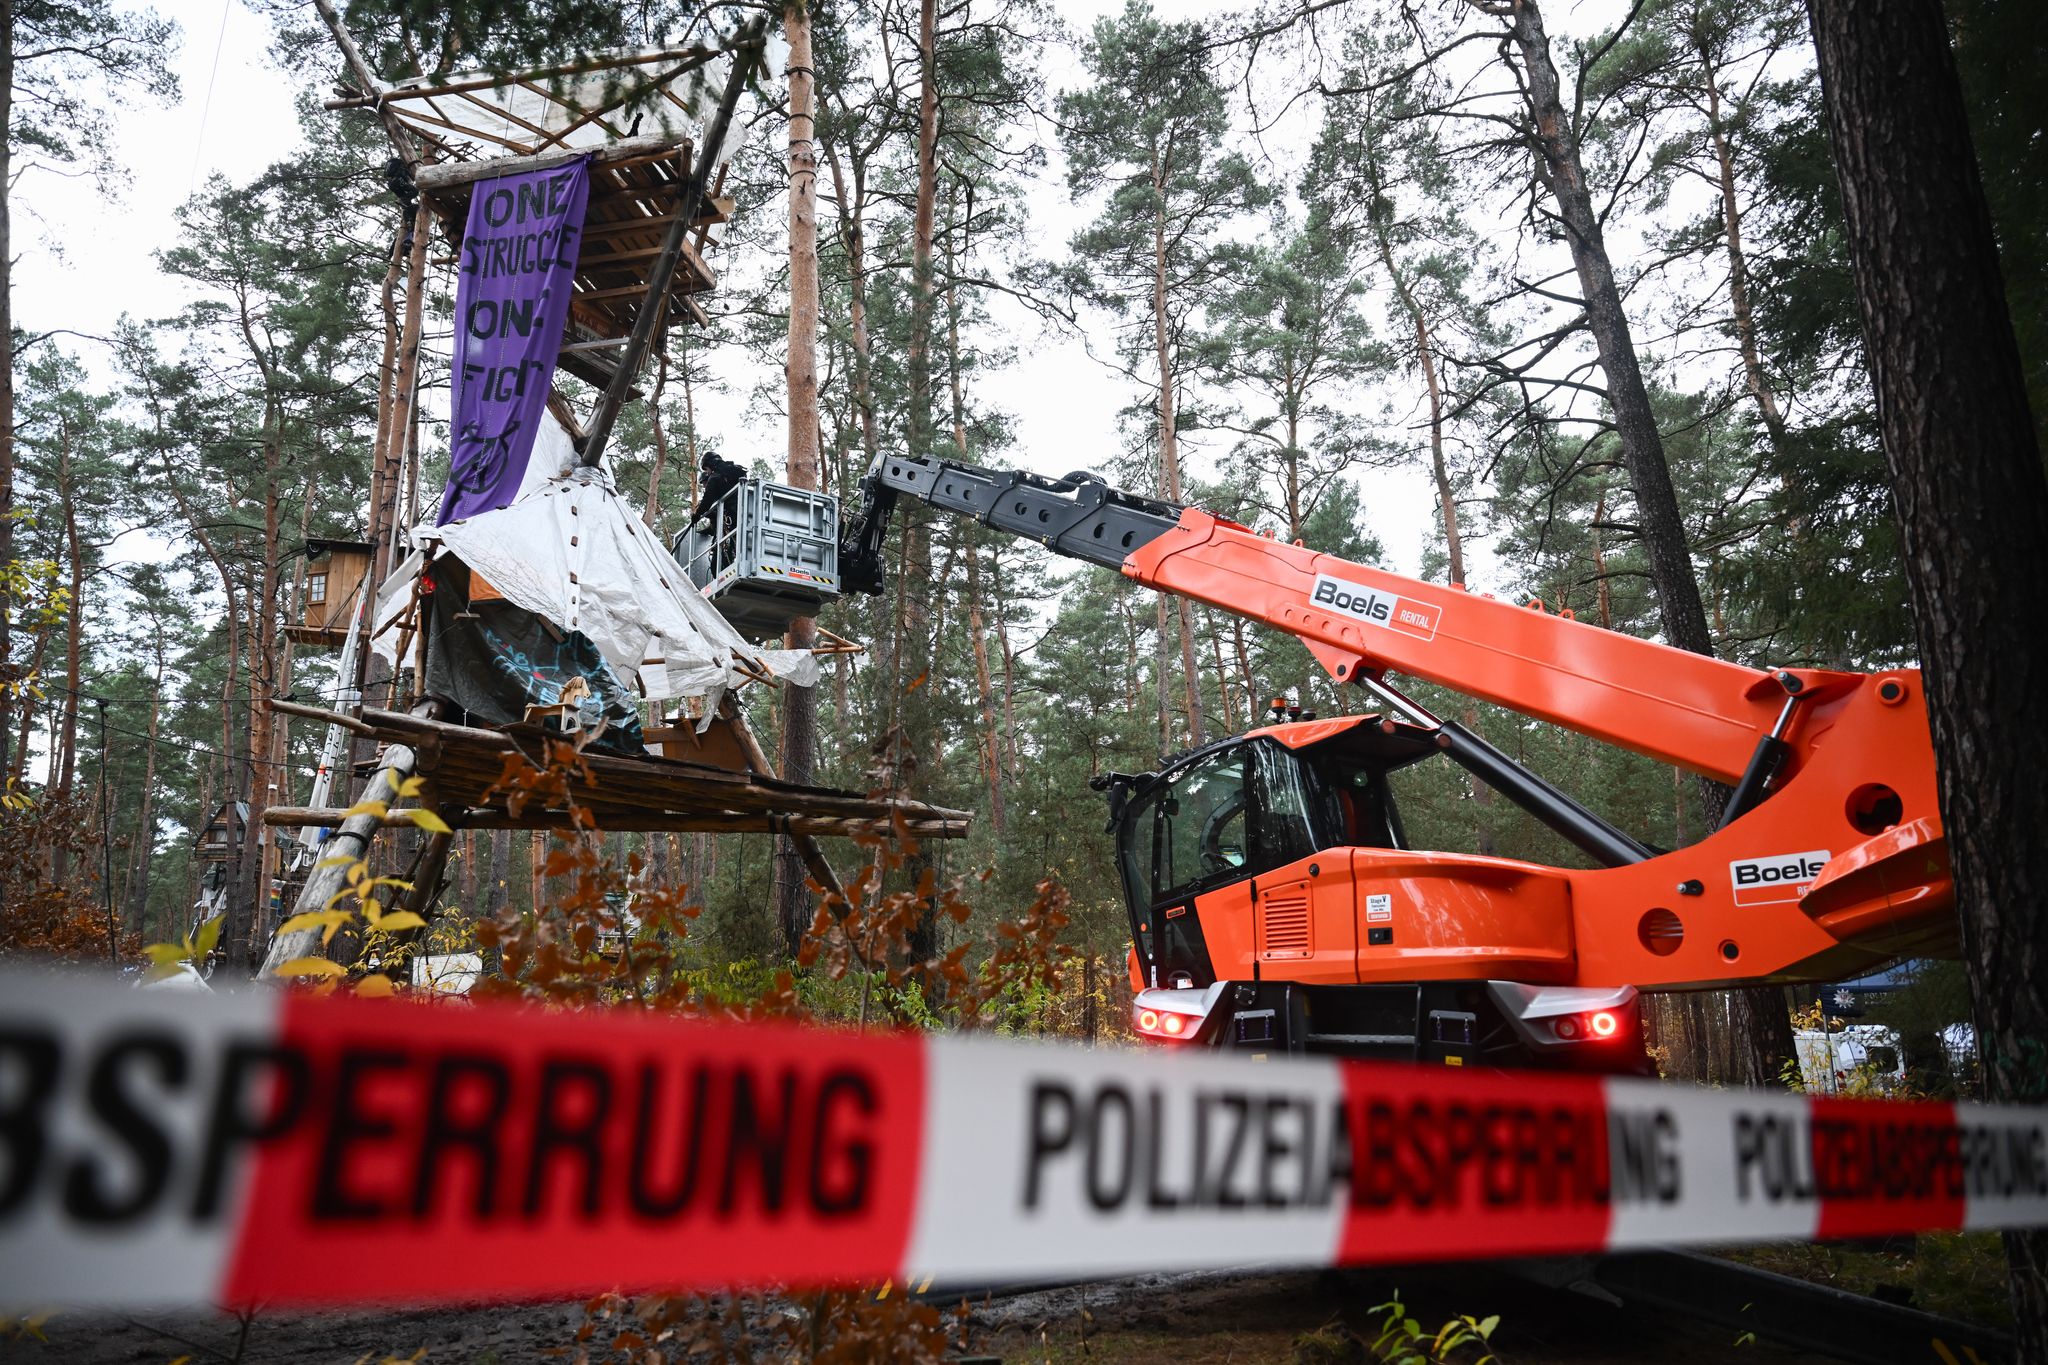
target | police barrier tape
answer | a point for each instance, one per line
(285, 1149)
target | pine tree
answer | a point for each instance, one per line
(1150, 129)
(62, 67)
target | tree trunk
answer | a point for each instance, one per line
(467, 886)
(499, 890)
(1765, 1030)
(853, 240)
(1662, 528)
(1169, 478)
(536, 869)
(7, 677)
(1447, 502)
(989, 741)
(1229, 718)
(371, 685)
(1162, 675)
(914, 586)
(921, 298)
(1002, 604)
(30, 669)
(649, 513)
(65, 755)
(790, 897)
(243, 934)
(145, 823)
(1738, 264)
(1972, 505)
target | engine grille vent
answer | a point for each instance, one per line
(1285, 924)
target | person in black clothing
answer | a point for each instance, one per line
(719, 477)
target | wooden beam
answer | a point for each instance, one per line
(374, 96)
(655, 310)
(626, 291)
(345, 721)
(814, 859)
(631, 821)
(654, 222)
(588, 66)
(450, 175)
(460, 753)
(413, 117)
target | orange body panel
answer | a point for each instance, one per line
(1305, 926)
(1810, 885)
(1450, 917)
(1462, 917)
(1227, 925)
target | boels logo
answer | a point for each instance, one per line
(1775, 880)
(1355, 600)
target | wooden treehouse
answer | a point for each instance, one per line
(636, 192)
(558, 617)
(220, 839)
(337, 576)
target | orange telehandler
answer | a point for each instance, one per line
(1276, 905)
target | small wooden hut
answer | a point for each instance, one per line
(337, 576)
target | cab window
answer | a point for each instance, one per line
(1192, 830)
(1295, 811)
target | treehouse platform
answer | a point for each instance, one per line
(636, 191)
(466, 766)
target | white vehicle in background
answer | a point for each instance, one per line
(1863, 1059)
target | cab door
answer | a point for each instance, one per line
(1306, 928)
(1183, 847)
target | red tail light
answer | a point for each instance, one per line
(1597, 1027)
(1166, 1024)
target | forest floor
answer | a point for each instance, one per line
(1326, 1317)
(1311, 1317)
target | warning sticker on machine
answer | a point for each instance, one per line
(1379, 909)
(1374, 607)
(1776, 880)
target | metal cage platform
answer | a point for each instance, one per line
(766, 554)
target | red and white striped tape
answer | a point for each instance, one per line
(161, 1149)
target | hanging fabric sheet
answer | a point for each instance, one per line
(519, 253)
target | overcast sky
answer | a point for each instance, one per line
(86, 260)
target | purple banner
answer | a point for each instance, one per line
(518, 268)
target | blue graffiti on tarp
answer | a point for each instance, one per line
(544, 680)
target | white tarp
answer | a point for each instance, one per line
(572, 552)
(554, 455)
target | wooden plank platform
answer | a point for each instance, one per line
(461, 763)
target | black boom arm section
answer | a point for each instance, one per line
(1079, 516)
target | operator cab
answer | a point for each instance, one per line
(1246, 805)
(1231, 834)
